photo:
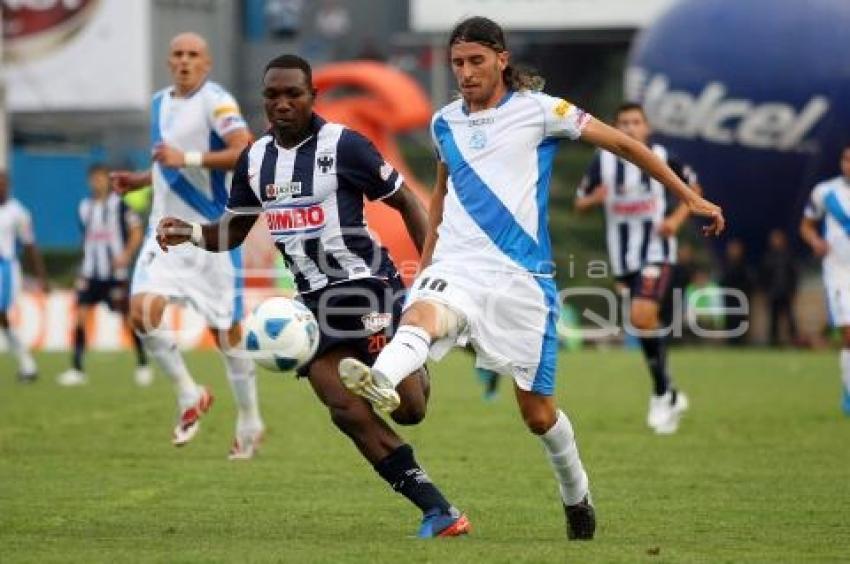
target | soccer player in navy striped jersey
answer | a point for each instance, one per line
(112, 233)
(310, 177)
(641, 230)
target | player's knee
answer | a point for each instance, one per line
(538, 418)
(145, 315)
(644, 318)
(437, 319)
(409, 413)
(349, 417)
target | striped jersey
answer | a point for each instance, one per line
(312, 196)
(830, 202)
(499, 160)
(15, 226)
(197, 122)
(635, 207)
(105, 224)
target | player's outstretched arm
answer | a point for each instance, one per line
(617, 142)
(412, 212)
(810, 234)
(227, 233)
(435, 214)
(124, 181)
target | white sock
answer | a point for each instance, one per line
(164, 351)
(845, 368)
(560, 445)
(242, 376)
(405, 353)
(26, 364)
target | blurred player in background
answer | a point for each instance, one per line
(112, 233)
(16, 227)
(310, 178)
(198, 133)
(488, 275)
(830, 204)
(641, 226)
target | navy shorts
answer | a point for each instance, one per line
(361, 314)
(652, 282)
(113, 293)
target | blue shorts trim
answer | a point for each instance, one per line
(544, 379)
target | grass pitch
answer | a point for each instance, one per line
(758, 472)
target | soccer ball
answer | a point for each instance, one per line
(281, 334)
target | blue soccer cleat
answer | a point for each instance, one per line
(436, 523)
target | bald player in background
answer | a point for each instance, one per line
(197, 133)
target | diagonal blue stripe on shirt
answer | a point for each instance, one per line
(184, 189)
(487, 210)
(837, 211)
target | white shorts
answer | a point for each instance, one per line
(838, 300)
(510, 320)
(210, 282)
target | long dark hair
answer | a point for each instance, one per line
(485, 31)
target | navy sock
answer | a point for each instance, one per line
(79, 347)
(655, 352)
(141, 355)
(402, 472)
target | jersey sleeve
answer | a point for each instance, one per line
(129, 217)
(243, 200)
(225, 115)
(815, 208)
(23, 227)
(561, 118)
(81, 215)
(434, 141)
(592, 177)
(362, 167)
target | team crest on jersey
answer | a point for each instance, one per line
(561, 109)
(277, 191)
(478, 140)
(325, 163)
(374, 322)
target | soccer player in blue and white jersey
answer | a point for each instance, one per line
(310, 177)
(16, 227)
(488, 277)
(641, 227)
(198, 133)
(112, 233)
(830, 204)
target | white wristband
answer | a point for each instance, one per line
(193, 159)
(197, 237)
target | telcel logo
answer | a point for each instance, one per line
(712, 116)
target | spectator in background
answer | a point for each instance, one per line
(738, 275)
(779, 277)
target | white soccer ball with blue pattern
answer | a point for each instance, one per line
(281, 334)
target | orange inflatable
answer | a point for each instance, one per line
(379, 102)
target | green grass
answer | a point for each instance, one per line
(758, 471)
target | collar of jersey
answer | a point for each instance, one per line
(501, 103)
(190, 94)
(316, 124)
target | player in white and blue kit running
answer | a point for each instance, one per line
(488, 276)
(198, 134)
(830, 204)
(16, 227)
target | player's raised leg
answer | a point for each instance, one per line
(146, 311)
(391, 458)
(241, 373)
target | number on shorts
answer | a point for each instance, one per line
(437, 284)
(377, 343)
